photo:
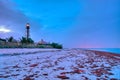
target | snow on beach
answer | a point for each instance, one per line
(67, 64)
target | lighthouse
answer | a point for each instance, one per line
(27, 31)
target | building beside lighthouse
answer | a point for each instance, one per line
(42, 42)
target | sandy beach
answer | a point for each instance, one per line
(66, 64)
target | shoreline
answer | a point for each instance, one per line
(25, 50)
(106, 54)
(111, 50)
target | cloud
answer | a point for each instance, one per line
(10, 17)
(14, 19)
(3, 29)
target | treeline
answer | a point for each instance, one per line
(12, 40)
(26, 43)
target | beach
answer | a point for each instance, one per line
(54, 64)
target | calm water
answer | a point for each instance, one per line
(114, 50)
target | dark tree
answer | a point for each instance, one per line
(30, 40)
(10, 39)
(25, 40)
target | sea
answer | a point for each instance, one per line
(113, 50)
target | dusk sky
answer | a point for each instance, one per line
(73, 23)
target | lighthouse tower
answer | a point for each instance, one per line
(27, 31)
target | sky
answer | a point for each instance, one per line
(72, 23)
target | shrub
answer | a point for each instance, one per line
(56, 45)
